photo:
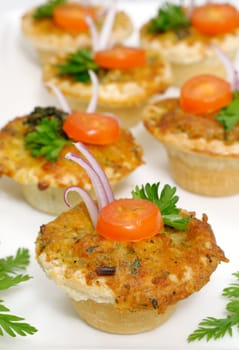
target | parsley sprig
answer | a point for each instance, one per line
(45, 136)
(46, 139)
(77, 65)
(215, 328)
(166, 203)
(10, 275)
(46, 10)
(229, 115)
(169, 17)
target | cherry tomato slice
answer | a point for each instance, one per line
(204, 94)
(121, 57)
(214, 19)
(129, 220)
(92, 128)
(71, 17)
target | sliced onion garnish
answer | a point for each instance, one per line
(61, 98)
(95, 92)
(98, 170)
(89, 202)
(231, 72)
(104, 39)
(93, 32)
(95, 179)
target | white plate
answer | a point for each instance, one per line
(39, 300)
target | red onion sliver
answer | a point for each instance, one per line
(95, 178)
(95, 92)
(98, 169)
(106, 30)
(61, 98)
(93, 32)
(90, 204)
(231, 72)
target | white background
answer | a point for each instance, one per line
(39, 300)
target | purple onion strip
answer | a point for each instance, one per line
(106, 30)
(61, 98)
(93, 33)
(98, 169)
(95, 178)
(90, 204)
(231, 72)
(95, 92)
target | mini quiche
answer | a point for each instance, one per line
(32, 150)
(185, 36)
(200, 132)
(126, 263)
(128, 77)
(57, 27)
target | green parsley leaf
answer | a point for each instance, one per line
(12, 264)
(166, 203)
(46, 139)
(9, 277)
(46, 10)
(169, 17)
(215, 328)
(229, 115)
(77, 65)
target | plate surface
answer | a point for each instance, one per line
(39, 300)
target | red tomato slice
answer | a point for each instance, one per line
(204, 94)
(214, 19)
(71, 17)
(121, 57)
(91, 128)
(129, 220)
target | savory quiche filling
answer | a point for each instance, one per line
(118, 159)
(166, 120)
(147, 274)
(117, 87)
(46, 35)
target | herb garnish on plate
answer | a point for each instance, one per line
(10, 276)
(215, 328)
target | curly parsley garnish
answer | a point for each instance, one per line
(46, 10)
(46, 137)
(215, 328)
(166, 203)
(10, 276)
(169, 17)
(229, 115)
(77, 65)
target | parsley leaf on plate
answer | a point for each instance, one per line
(215, 328)
(9, 277)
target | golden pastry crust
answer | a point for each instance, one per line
(150, 274)
(117, 88)
(118, 160)
(191, 48)
(170, 124)
(51, 40)
(191, 53)
(201, 159)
